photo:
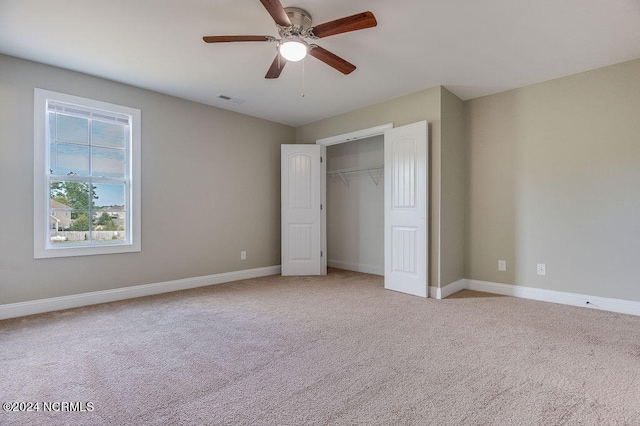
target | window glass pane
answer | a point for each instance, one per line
(76, 232)
(73, 195)
(59, 222)
(107, 134)
(66, 226)
(80, 223)
(110, 215)
(109, 225)
(79, 229)
(52, 126)
(71, 159)
(52, 158)
(110, 196)
(108, 162)
(72, 129)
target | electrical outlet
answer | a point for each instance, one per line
(542, 269)
(243, 255)
(502, 265)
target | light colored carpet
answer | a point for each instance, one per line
(322, 351)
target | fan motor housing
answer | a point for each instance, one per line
(299, 17)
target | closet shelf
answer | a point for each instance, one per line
(374, 171)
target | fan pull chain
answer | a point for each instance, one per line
(303, 61)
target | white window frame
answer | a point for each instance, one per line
(41, 245)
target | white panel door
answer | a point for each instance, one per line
(405, 213)
(301, 210)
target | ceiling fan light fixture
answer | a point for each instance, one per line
(293, 49)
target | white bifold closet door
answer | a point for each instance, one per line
(405, 213)
(302, 210)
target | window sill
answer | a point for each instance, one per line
(72, 251)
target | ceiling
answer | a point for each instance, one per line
(472, 47)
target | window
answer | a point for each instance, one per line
(86, 176)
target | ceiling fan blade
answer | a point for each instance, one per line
(276, 67)
(275, 9)
(226, 39)
(332, 60)
(355, 22)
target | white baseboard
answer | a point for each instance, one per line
(358, 267)
(447, 290)
(606, 304)
(20, 309)
(13, 310)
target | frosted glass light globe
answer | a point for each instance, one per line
(293, 49)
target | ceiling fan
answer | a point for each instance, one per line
(294, 26)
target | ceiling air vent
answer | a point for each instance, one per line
(230, 99)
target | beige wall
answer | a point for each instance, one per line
(554, 178)
(544, 174)
(424, 105)
(210, 188)
(452, 205)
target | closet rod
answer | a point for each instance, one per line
(356, 169)
(369, 169)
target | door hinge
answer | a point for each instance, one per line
(321, 159)
(321, 253)
(320, 206)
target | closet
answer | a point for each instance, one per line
(359, 201)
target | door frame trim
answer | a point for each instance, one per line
(352, 136)
(335, 140)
